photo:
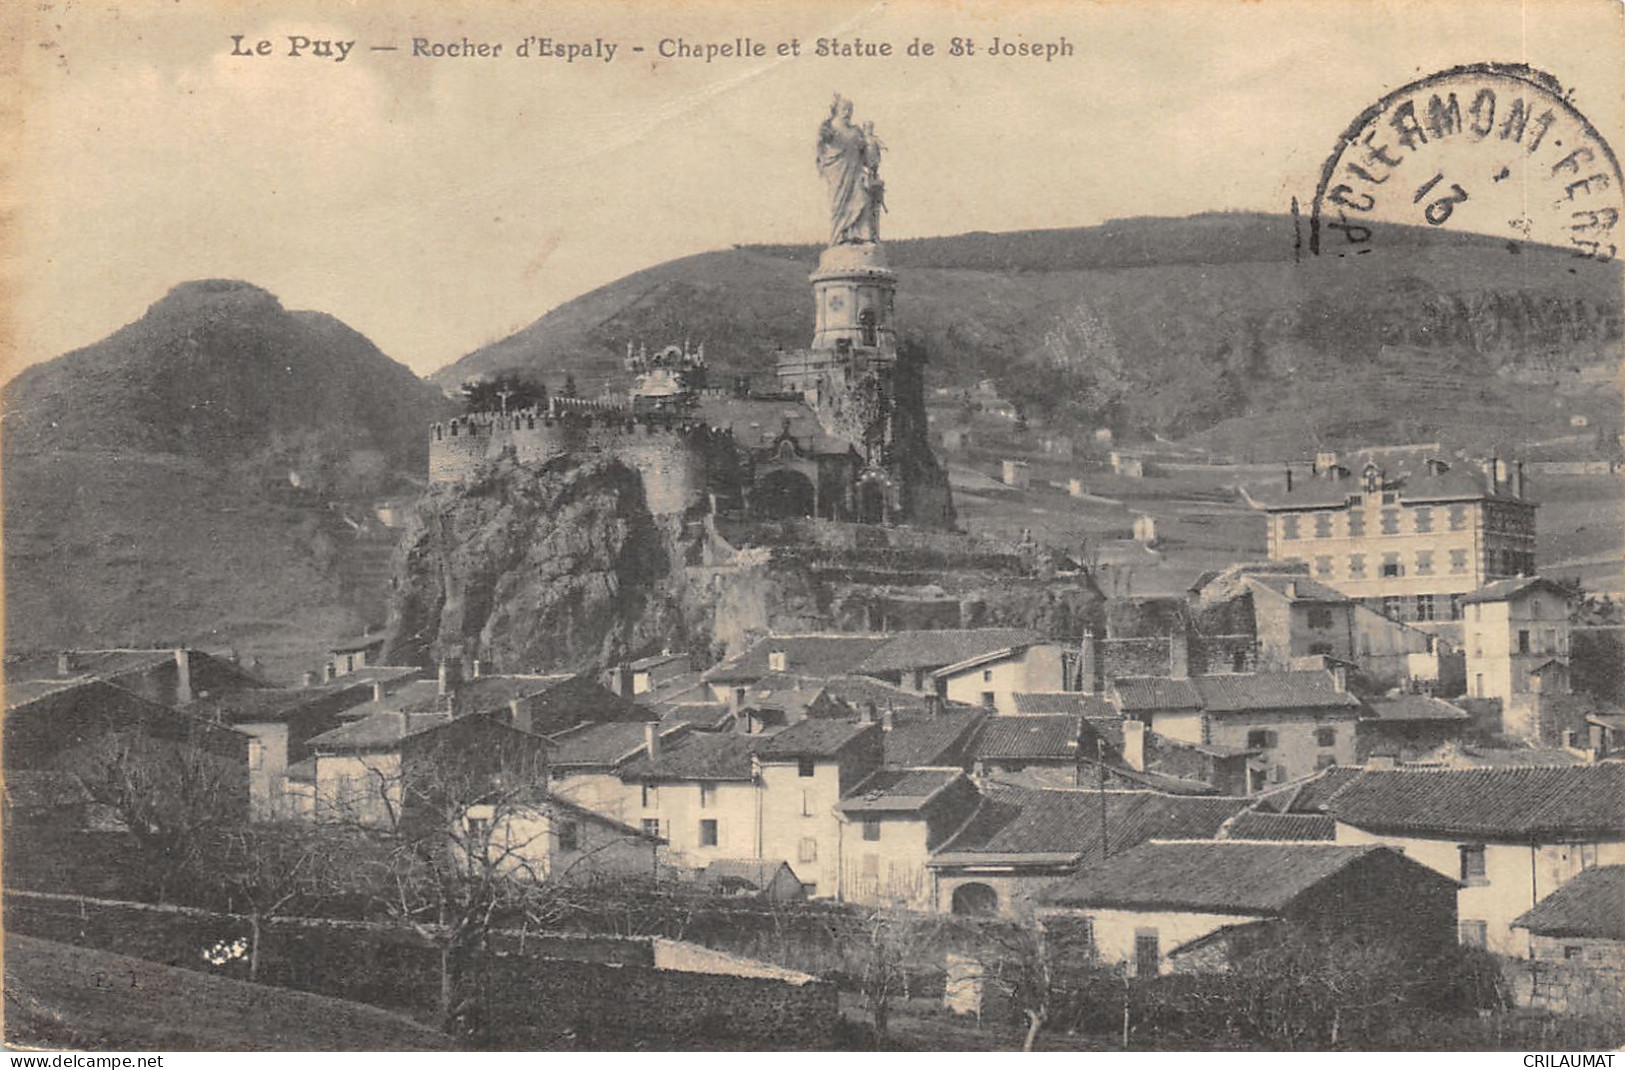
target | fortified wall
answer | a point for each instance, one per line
(672, 455)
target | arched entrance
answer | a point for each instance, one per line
(783, 494)
(871, 503)
(975, 899)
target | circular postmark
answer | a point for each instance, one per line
(1490, 148)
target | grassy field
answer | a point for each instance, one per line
(59, 996)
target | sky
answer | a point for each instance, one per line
(438, 204)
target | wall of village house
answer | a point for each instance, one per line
(681, 806)
(602, 793)
(266, 768)
(1516, 877)
(799, 824)
(891, 870)
(1038, 668)
(358, 789)
(1289, 630)
(1591, 982)
(1294, 749)
(1115, 931)
(1496, 667)
(530, 841)
(1188, 726)
(1017, 892)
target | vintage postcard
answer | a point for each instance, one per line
(828, 526)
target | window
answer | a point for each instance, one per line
(1279, 775)
(1324, 649)
(1147, 953)
(1424, 607)
(1572, 951)
(1458, 517)
(1390, 606)
(806, 767)
(1478, 684)
(1424, 562)
(807, 850)
(1323, 565)
(708, 794)
(651, 797)
(1325, 761)
(1323, 525)
(1472, 863)
(1391, 566)
(806, 804)
(651, 826)
(1473, 933)
(1390, 521)
(479, 830)
(1356, 524)
(569, 836)
(1458, 561)
(987, 676)
(1259, 738)
(1325, 737)
(708, 832)
(1356, 566)
(1455, 607)
(871, 831)
(1320, 617)
(987, 699)
(1424, 520)
(1289, 527)
(1523, 641)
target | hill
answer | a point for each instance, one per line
(1151, 326)
(206, 474)
(59, 996)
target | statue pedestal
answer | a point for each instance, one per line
(853, 292)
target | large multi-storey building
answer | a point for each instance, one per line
(1405, 531)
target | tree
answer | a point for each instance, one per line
(505, 391)
(570, 389)
(271, 869)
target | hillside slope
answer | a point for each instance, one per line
(1167, 326)
(204, 475)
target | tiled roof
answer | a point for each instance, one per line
(1313, 689)
(555, 703)
(377, 730)
(787, 692)
(893, 790)
(1056, 825)
(1262, 825)
(1408, 475)
(1215, 876)
(933, 649)
(1414, 708)
(1298, 588)
(23, 692)
(859, 691)
(814, 738)
(268, 704)
(360, 642)
(1511, 802)
(759, 873)
(939, 740)
(697, 756)
(684, 687)
(1310, 795)
(602, 745)
(705, 716)
(1046, 737)
(419, 696)
(1501, 590)
(654, 661)
(1156, 693)
(1591, 905)
(757, 422)
(806, 655)
(1077, 703)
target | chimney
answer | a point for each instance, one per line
(777, 661)
(651, 739)
(1134, 745)
(183, 677)
(327, 673)
(1340, 677)
(518, 716)
(868, 714)
(444, 679)
(1292, 588)
(931, 705)
(64, 663)
(1179, 655)
(1517, 480)
(1086, 663)
(378, 691)
(1289, 479)
(888, 720)
(1495, 475)
(307, 679)
(477, 668)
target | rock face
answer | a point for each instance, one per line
(559, 566)
(562, 567)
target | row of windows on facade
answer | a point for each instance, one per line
(1425, 563)
(1545, 641)
(1293, 525)
(710, 835)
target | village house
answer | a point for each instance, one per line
(1405, 531)
(1577, 946)
(1512, 631)
(543, 837)
(346, 656)
(932, 737)
(813, 656)
(909, 660)
(1020, 839)
(170, 677)
(1032, 743)
(586, 763)
(889, 825)
(698, 792)
(768, 881)
(1405, 726)
(1290, 723)
(1194, 906)
(802, 773)
(1511, 835)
